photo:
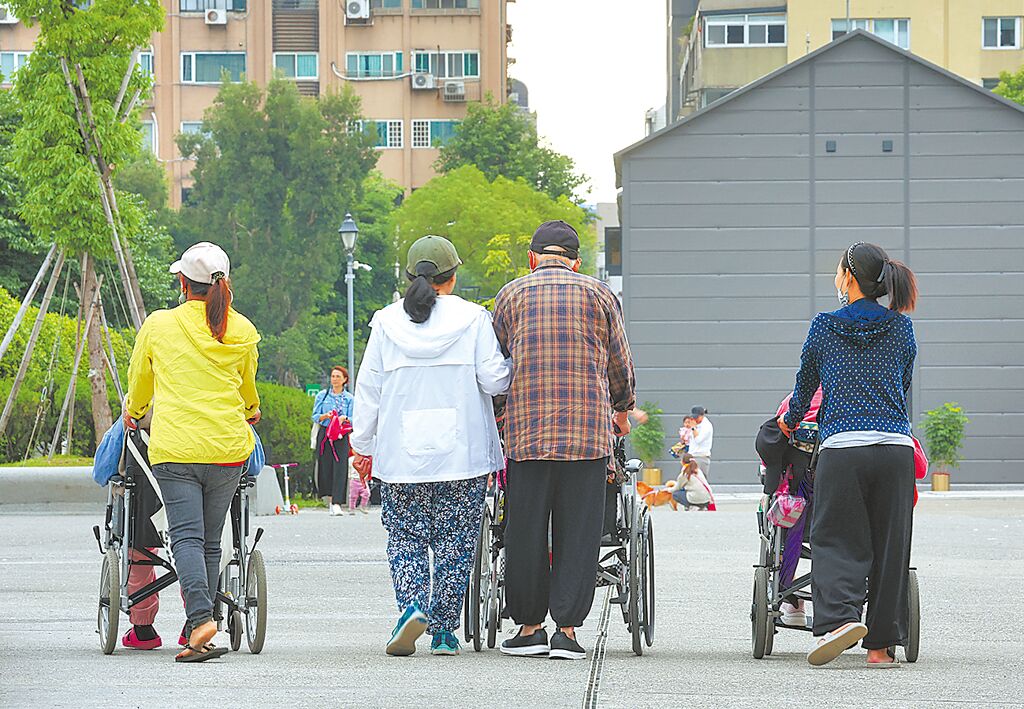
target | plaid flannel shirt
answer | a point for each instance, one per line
(571, 361)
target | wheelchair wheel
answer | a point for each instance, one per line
(479, 584)
(235, 629)
(636, 595)
(759, 613)
(648, 580)
(256, 602)
(109, 612)
(496, 603)
(914, 605)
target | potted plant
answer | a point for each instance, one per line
(943, 435)
(648, 440)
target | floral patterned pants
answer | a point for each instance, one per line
(443, 517)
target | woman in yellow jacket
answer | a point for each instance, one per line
(196, 365)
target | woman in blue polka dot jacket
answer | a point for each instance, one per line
(863, 357)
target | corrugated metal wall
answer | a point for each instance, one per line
(734, 222)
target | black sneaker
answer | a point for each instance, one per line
(535, 645)
(565, 648)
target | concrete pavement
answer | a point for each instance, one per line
(331, 610)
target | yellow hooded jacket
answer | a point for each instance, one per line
(202, 390)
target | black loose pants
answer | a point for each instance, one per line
(860, 540)
(568, 497)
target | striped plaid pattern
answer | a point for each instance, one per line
(572, 365)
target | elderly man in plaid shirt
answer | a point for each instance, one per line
(573, 377)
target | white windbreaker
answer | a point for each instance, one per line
(423, 395)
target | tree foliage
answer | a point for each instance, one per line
(1011, 86)
(648, 439)
(944, 434)
(489, 221)
(274, 175)
(500, 139)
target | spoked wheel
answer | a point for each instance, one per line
(759, 613)
(914, 605)
(648, 580)
(235, 629)
(109, 612)
(479, 585)
(256, 602)
(495, 600)
(636, 596)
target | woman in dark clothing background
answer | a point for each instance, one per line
(863, 357)
(332, 456)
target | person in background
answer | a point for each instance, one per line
(692, 488)
(863, 356)
(332, 456)
(196, 366)
(358, 491)
(703, 436)
(424, 427)
(573, 385)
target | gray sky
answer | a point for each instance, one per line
(593, 67)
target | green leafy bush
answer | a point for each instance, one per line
(648, 439)
(284, 430)
(19, 443)
(944, 435)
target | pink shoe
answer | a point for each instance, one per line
(182, 640)
(131, 640)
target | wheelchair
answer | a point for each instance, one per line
(626, 562)
(769, 592)
(241, 603)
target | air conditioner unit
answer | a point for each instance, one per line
(423, 81)
(357, 9)
(216, 16)
(455, 91)
(6, 16)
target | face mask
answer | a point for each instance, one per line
(182, 298)
(844, 298)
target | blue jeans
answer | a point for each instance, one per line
(196, 498)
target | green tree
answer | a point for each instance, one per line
(19, 257)
(78, 96)
(500, 139)
(489, 221)
(274, 175)
(1011, 86)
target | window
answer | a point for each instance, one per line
(10, 62)
(893, 31)
(204, 5)
(193, 128)
(432, 134)
(446, 4)
(989, 83)
(1001, 33)
(385, 4)
(745, 30)
(145, 63)
(298, 65)
(207, 67)
(388, 133)
(377, 65)
(613, 250)
(149, 136)
(449, 65)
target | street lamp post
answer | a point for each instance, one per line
(349, 231)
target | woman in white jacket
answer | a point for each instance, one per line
(425, 425)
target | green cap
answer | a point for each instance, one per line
(436, 251)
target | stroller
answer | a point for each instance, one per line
(134, 508)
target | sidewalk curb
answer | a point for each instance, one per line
(46, 485)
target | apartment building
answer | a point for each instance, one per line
(734, 42)
(414, 63)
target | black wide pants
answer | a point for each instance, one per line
(331, 474)
(568, 497)
(860, 540)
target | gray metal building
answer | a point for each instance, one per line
(734, 220)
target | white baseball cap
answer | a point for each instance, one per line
(203, 263)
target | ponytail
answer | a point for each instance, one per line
(217, 296)
(420, 296)
(901, 285)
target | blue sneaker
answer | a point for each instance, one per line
(410, 627)
(444, 643)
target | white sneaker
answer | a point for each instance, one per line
(793, 615)
(336, 510)
(363, 510)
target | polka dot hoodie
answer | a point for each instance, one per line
(863, 357)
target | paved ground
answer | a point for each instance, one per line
(331, 610)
